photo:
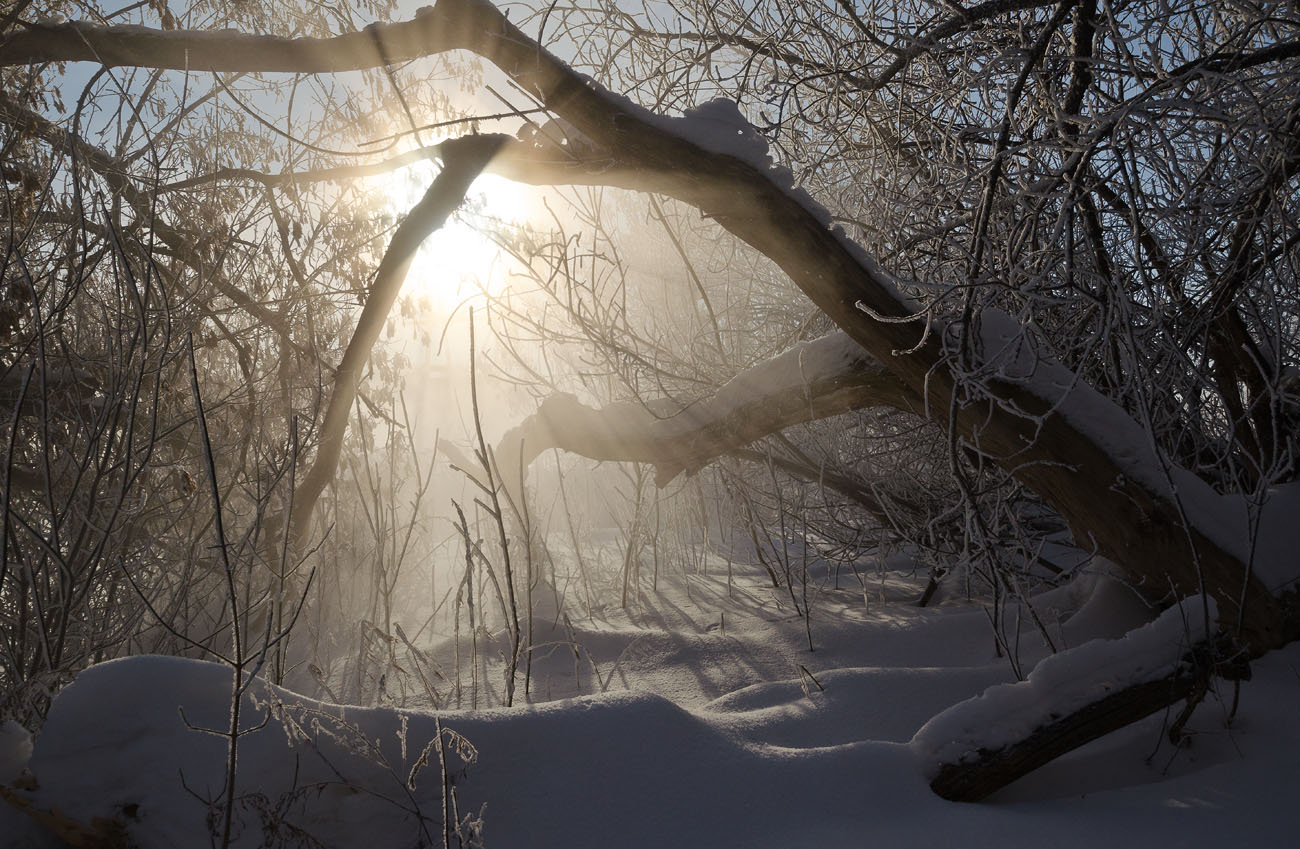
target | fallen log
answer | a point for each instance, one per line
(977, 775)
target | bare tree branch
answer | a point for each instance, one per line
(811, 381)
(188, 50)
(463, 160)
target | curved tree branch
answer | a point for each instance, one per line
(463, 160)
(813, 380)
(1031, 415)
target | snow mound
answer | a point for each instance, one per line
(127, 740)
(773, 765)
(139, 739)
(873, 702)
(1062, 684)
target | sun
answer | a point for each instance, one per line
(458, 259)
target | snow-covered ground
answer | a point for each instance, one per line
(704, 721)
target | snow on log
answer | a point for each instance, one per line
(978, 746)
(812, 380)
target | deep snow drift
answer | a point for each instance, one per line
(711, 725)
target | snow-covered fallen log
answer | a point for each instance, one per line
(981, 745)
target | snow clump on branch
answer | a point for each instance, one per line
(719, 127)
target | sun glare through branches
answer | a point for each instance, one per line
(460, 258)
